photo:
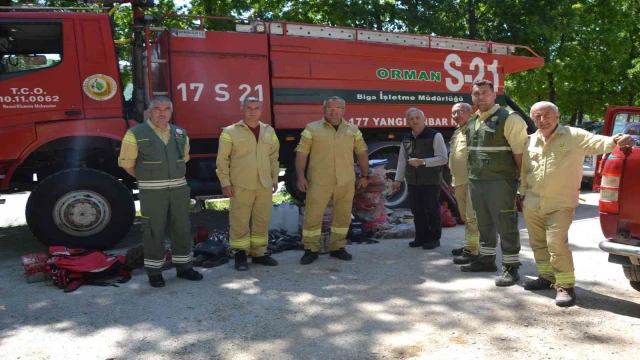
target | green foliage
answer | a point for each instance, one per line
(590, 47)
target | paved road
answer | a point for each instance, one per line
(391, 302)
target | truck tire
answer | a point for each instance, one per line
(82, 208)
(401, 198)
(291, 184)
(632, 272)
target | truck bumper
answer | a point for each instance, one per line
(619, 249)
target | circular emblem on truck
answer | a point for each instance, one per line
(100, 87)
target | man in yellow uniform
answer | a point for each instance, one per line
(460, 113)
(247, 166)
(495, 141)
(550, 184)
(328, 145)
(155, 153)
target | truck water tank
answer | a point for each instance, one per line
(290, 218)
(275, 223)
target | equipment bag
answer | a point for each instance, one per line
(72, 268)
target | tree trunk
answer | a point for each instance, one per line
(473, 29)
(552, 87)
(574, 117)
(580, 116)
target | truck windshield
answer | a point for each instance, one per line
(26, 46)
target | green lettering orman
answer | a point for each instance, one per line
(413, 75)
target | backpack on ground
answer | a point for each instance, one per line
(72, 268)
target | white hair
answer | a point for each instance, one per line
(158, 99)
(412, 109)
(464, 105)
(334, 98)
(542, 104)
(249, 99)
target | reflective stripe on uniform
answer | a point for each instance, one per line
(487, 251)
(338, 230)
(258, 240)
(129, 138)
(489, 148)
(310, 233)
(565, 278)
(155, 264)
(240, 243)
(545, 269)
(161, 184)
(306, 133)
(225, 137)
(182, 259)
(359, 135)
(510, 258)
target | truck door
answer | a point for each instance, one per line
(38, 71)
(616, 120)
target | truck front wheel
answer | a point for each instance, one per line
(81, 208)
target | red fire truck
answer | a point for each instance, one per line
(619, 195)
(64, 112)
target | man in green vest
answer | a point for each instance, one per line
(425, 153)
(495, 141)
(155, 153)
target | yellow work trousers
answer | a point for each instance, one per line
(318, 197)
(549, 239)
(471, 234)
(249, 215)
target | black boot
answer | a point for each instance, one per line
(509, 276)
(265, 260)
(157, 281)
(479, 266)
(457, 252)
(190, 274)
(241, 261)
(341, 254)
(465, 258)
(309, 257)
(416, 243)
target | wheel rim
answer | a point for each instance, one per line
(393, 199)
(82, 213)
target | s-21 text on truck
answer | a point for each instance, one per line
(64, 113)
(620, 194)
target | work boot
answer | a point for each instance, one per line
(479, 266)
(457, 252)
(341, 254)
(509, 276)
(538, 284)
(309, 257)
(565, 297)
(465, 258)
(241, 261)
(157, 281)
(416, 243)
(190, 274)
(265, 260)
(431, 245)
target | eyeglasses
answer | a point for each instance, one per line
(456, 112)
(334, 108)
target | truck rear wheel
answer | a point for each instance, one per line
(82, 208)
(632, 272)
(291, 184)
